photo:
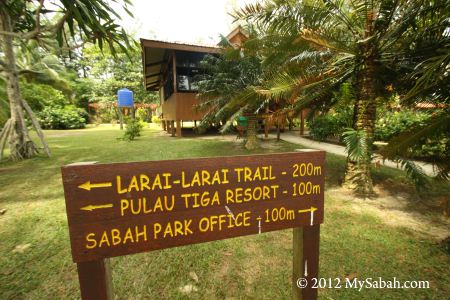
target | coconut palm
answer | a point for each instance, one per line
(362, 42)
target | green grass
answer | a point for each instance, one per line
(255, 267)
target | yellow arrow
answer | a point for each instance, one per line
(88, 185)
(312, 209)
(92, 207)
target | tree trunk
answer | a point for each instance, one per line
(252, 139)
(20, 144)
(357, 173)
(278, 131)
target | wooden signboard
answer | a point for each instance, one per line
(125, 208)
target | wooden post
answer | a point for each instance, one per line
(95, 280)
(305, 262)
(172, 128)
(178, 128)
(120, 117)
(168, 123)
(163, 124)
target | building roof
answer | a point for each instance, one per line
(155, 55)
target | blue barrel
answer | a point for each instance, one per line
(125, 98)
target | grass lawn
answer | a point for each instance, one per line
(363, 239)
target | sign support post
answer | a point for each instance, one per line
(95, 279)
(305, 262)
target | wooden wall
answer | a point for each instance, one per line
(180, 106)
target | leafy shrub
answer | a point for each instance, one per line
(106, 112)
(436, 146)
(331, 124)
(392, 123)
(322, 127)
(156, 120)
(56, 117)
(142, 114)
(40, 96)
(133, 129)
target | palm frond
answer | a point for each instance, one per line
(415, 173)
(355, 144)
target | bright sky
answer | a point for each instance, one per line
(189, 21)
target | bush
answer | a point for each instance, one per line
(331, 124)
(133, 129)
(40, 96)
(392, 123)
(57, 117)
(156, 120)
(142, 114)
(322, 127)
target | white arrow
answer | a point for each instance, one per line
(306, 268)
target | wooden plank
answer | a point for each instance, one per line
(154, 74)
(124, 208)
(155, 63)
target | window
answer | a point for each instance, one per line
(188, 65)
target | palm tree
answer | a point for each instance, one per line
(338, 41)
(227, 89)
(430, 78)
(23, 21)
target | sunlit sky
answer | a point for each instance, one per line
(189, 21)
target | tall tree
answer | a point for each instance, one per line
(359, 41)
(21, 21)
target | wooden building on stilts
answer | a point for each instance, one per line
(169, 68)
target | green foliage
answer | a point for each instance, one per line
(109, 73)
(68, 117)
(226, 88)
(356, 145)
(393, 123)
(323, 127)
(142, 114)
(331, 124)
(414, 173)
(432, 147)
(39, 96)
(83, 89)
(106, 112)
(4, 105)
(156, 120)
(133, 129)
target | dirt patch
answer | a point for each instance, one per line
(399, 210)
